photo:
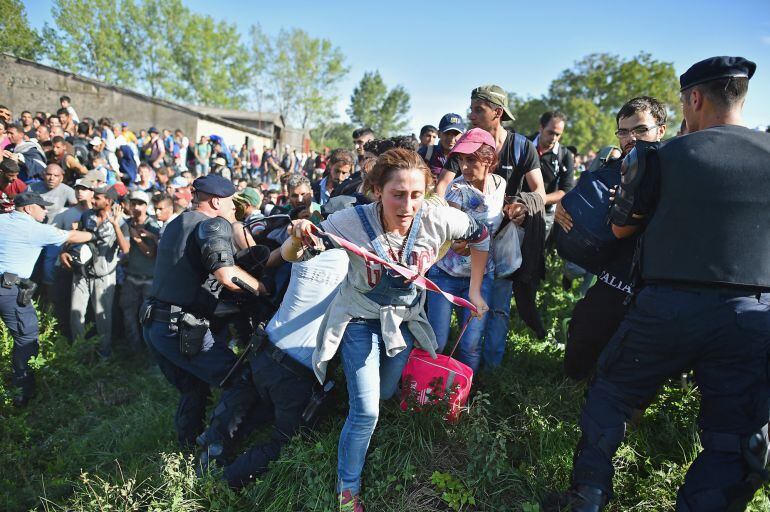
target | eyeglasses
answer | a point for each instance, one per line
(636, 132)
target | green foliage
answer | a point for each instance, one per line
(592, 92)
(453, 491)
(302, 73)
(382, 110)
(89, 39)
(16, 36)
(99, 437)
(332, 135)
(160, 47)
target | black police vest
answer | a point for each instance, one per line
(712, 220)
(179, 269)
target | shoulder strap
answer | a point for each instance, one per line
(413, 233)
(378, 248)
(518, 146)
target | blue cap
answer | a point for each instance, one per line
(214, 185)
(715, 68)
(451, 122)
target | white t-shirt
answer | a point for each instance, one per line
(313, 284)
(486, 208)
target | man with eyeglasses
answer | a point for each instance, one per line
(703, 200)
(597, 316)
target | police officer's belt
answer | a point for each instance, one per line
(161, 315)
(7, 280)
(261, 343)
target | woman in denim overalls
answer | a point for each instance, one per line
(377, 315)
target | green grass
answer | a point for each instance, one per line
(99, 437)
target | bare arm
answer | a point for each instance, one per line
(444, 179)
(535, 181)
(478, 267)
(554, 197)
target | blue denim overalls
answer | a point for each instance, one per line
(392, 290)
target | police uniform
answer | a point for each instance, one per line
(175, 328)
(703, 306)
(22, 240)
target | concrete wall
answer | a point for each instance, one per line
(28, 87)
(232, 136)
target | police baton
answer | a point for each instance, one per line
(240, 283)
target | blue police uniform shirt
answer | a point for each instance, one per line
(22, 240)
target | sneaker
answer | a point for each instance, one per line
(350, 502)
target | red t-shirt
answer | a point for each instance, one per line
(8, 192)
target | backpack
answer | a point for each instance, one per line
(80, 147)
(286, 162)
(590, 243)
(519, 143)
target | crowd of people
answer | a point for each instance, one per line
(194, 248)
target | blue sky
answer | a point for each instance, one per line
(440, 51)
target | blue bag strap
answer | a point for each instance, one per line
(518, 146)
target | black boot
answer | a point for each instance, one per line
(25, 384)
(585, 498)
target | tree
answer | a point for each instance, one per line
(16, 36)
(213, 64)
(592, 92)
(301, 74)
(373, 105)
(90, 39)
(157, 33)
(607, 82)
(332, 135)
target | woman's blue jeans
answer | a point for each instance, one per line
(440, 313)
(371, 376)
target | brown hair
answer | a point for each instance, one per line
(395, 160)
(486, 154)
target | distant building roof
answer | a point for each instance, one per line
(200, 112)
(245, 115)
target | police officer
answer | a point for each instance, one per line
(194, 245)
(23, 236)
(705, 200)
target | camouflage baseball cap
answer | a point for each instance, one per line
(494, 95)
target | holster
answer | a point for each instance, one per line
(145, 312)
(318, 404)
(191, 331)
(27, 289)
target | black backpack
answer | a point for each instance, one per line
(82, 152)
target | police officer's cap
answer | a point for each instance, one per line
(28, 198)
(214, 185)
(716, 68)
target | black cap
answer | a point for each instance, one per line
(9, 165)
(28, 198)
(715, 68)
(214, 185)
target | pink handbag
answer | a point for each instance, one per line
(434, 381)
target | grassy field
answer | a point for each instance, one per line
(99, 437)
